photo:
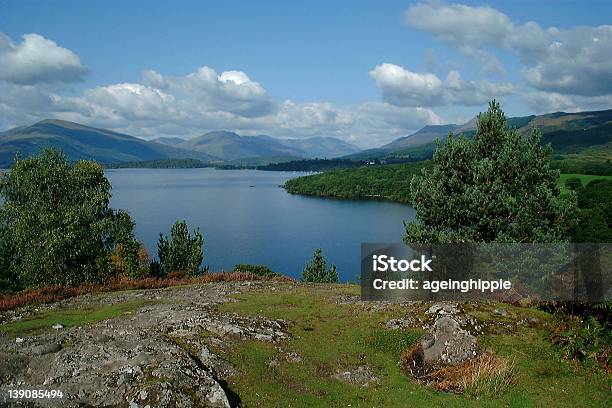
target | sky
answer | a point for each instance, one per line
(366, 72)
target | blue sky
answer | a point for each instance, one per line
(366, 72)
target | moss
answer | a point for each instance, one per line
(68, 318)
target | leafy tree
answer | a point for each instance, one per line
(497, 188)
(9, 280)
(125, 257)
(316, 270)
(182, 253)
(61, 226)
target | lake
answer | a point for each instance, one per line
(246, 217)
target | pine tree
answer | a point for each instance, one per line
(497, 188)
(316, 270)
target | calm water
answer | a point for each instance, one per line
(246, 217)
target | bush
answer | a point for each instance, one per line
(259, 270)
(316, 270)
(181, 253)
(586, 340)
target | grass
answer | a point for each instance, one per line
(524, 369)
(68, 318)
(584, 178)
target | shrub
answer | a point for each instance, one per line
(260, 270)
(316, 270)
(586, 340)
(181, 252)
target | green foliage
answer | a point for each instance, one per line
(260, 270)
(316, 270)
(161, 164)
(312, 165)
(9, 279)
(574, 184)
(125, 257)
(61, 227)
(497, 188)
(182, 253)
(389, 182)
(588, 340)
(595, 222)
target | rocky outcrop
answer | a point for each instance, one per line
(448, 343)
(157, 356)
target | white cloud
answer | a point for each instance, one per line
(546, 102)
(565, 61)
(460, 24)
(38, 60)
(402, 87)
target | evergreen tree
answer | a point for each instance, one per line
(182, 253)
(497, 188)
(316, 270)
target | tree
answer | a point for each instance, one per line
(61, 226)
(9, 280)
(181, 253)
(497, 188)
(125, 258)
(316, 270)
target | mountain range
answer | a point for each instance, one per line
(567, 132)
(108, 147)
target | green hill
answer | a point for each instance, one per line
(84, 142)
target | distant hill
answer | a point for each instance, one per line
(84, 142)
(169, 141)
(567, 132)
(230, 146)
(108, 147)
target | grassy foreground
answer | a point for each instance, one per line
(331, 337)
(330, 330)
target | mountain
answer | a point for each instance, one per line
(168, 141)
(567, 132)
(230, 146)
(422, 136)
(321, 147)
(84, 142)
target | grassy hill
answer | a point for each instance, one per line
(84, 142)
(568, 133)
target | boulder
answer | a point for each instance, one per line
(448, 343)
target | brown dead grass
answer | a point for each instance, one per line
(49, 294)
(486, 374)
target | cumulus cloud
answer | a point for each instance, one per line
(402, 87)
(562, 61)
(37, 59)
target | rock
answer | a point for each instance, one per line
(43, 349)
(501, 312)
(395, 324)
(448, 343)
(294, 357)
(443, 309)
(533, 320)
(57, 326)
(361, 375)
